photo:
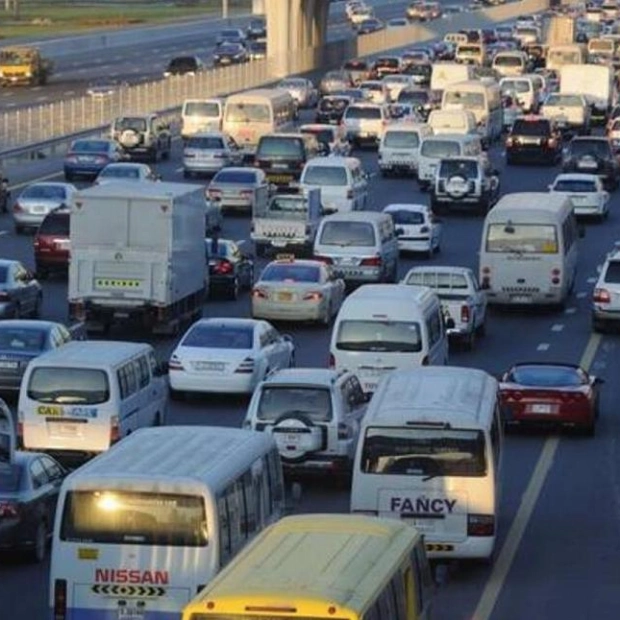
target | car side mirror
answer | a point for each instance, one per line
(598, 380)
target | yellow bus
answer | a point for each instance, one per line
(315, 567)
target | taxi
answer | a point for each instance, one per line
(297, 290)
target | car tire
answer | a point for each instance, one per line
(187, 174)
(38, 553)
(19, 229)
(177, 395)
(589, 430)
(69, 177)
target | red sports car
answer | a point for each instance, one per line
(558, 394)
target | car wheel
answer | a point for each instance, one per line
(39, 550)
(186, 174)
(232, 291)
(599, 326)
(589, 430)
(176, 394)
(69, 177)
(19, 229)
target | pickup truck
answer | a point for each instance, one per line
(463, 302)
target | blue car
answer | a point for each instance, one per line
(89, 156)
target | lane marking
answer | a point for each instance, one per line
(543, 346)
(591, 280)
(45, 177)
(3, 232)
(571, 310)
(506, 557)
(558, 327)
(581, 295)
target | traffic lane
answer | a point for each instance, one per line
(18, 577)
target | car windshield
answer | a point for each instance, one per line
(136, 518)
(357, 112)
(70, 386)
(280, 147)
(557, 100)
(137, 124)
(313, 403)
(45, 192)
(564, 57)
(390, 63)
(440, 148)
(612, 273)
(417, 97)
(424, 452)
(575, 186)
(531, 128)
(420, 69)
(469, 101)
(450, 168)
(287, 207)
(395, 79)
(216, 247)
(183, 63)
(4, 274)
(230, 34)
(291, 273)
(10, 478)
(405, 217)
(594, 148)
(55, 224)
(218, 336)
(120, 172)
(229, 48)
(248, 113)
(469, 50)
(205, 143)
(379, 336)
(292, 83)
(89, 146)
(235, 176)
(522, 238)
(547, 376)
(356, 65)
(332, 176)
(202, 108)
(22, 339)
(401, 139)
(347, 233)
(508, 61)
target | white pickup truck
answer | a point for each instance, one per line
(464, 303)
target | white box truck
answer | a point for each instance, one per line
(137, 254)
(594, 82)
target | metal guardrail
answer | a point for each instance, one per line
(39, 128)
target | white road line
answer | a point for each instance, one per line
(241, 241)
(35, 88)
(543, 346)
(581, 295)
(591, 280)
(3, 232)
(69, 92)
(558, 327)
(570, 310)
(180, 169)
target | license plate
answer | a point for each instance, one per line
(424, 525)
(279, 166)
(521, 299)
(67, 429)
(125, 613)
(279, 178)
(542, 408)
(39, 209)
(370, 387)
(588, 165)
(530, 140)
(9, 365)
(85, 159)
(279, 244)
(285, 296)
(210, 366)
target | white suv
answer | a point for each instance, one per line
(364, 123)
(606, 297)
(314, 415)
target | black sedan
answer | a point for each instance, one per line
(23, 340)
(20, 293)
(29, 488)
(89, 156)
(230, 54)
(230, 270)
(370, 25)
(257, 29)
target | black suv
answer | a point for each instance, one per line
(331, 109)
(533, 139)
(593, 155)
(283, 156)
(183, 65)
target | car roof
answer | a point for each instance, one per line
(308, 262)
(228, 321)
(440, 269)
(292, 376)
(27, 323)
(576, 176)
(398, 206)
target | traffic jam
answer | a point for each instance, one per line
(313, 220)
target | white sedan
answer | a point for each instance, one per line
(229, 356)
(297, 290)
(125, 171)
(585, 191)
(417, 228)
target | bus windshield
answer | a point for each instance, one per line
(136, 518)
(522, 238)
(424, 452)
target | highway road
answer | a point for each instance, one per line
(134, 64)
(560, 510)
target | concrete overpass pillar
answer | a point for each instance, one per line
(258, 7)
(278, 35)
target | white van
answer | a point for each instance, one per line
(524, 89)
(201, 116)
(448, 73)
(165, 509)
(460, 122)
(400, 147)
(79, 399)
(558, 55)
(528, 252)
(435, 148)
(381, 328)
(361, 246)
(510, 63)
(481, 97)
(471, 53)
(430, 453)
(342, 181)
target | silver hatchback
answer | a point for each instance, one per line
(37, 200)
(208, 153)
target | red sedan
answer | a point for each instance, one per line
(536, 393)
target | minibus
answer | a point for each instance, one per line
(430, 454)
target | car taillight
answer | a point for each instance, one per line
(601, 296)
(313, 296)
(465, 314)
(9, 510)
(101, 160)
(115, 429)
(175, 363)
(324, 259)
(555, 276)
(60, 599)
(552, 142)
(214, 194)
(246, 193)
(375, 261)
(480, 525)
(510, 141)
(331, 362)
(259, 294)
(344, 431)
(513, 396)
(571, 397)
(246, 366)
(17, 208)
(4, 296)
(349, 194)
(223, 267)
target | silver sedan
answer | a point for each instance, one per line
(37, 200)
(20, 293)
(238, 188)
(125, 171)
(208, 153)
(301, 90)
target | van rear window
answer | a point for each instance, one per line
(69, 386)
(280, 147)
(348, 234)
(401, 139)
(332, 176)
(440, 148)
(380, 336)
(357, 112)
(513, 238)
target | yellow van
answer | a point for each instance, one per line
(347, 567)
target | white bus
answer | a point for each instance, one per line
(528, 252)
(254, 113)
(143, 527)
(430, 453)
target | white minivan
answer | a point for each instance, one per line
(342, 181)
(201, 116)
(452, 122)
(385, 327)
(79, 399)
(400, 147)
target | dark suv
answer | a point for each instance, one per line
(331, 109)
(183, 65)
(51, 243)
(533, 139)
(593, 155)
(283, 156)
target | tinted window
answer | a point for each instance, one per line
(220, 337)
(138, 124)
(4, 274)
(26, 340)
(440, 148)
(379, 336)
(547, 376)
(313, 402)
(401, 139)
(467, 169)
(531, 128)
(90, 146)
(418, 97)
(356, 65)
(569, 185)
(391, 63)
(515, 86)
(55, 224)
(120, 172)
(360, 234)
(424, 452)
(280, 147)
(407, 217)
(522, 239)
(323, 136)
(326, 175)
(235, 176)
(291, 273)
(201, 108)
(229, 48)
(119, 517)
(465, 99)
(564, 100)
(69, 386)
(508, 61)
(594, 148)
(184, 63)
(45, 192)
(612, 275)
(328, 104)
(10, 478)
(205, 143)
(215, 247)
(356, 112)
(420, 70)
(438, 280)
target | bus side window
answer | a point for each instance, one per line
(398, 590)
(249, 525)
(496, 436)
(373, 612)
(387, 605)
(236, 515)
(276, 484)
(424, 578)
(222, 513)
